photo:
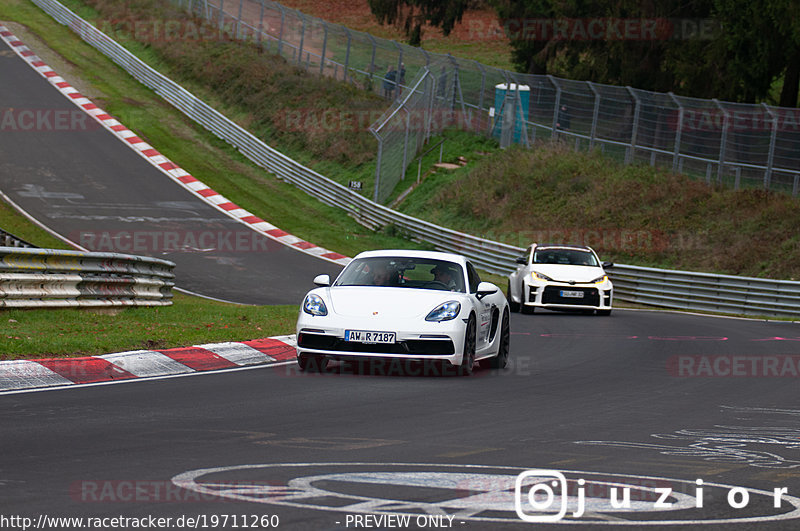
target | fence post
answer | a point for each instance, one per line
(723, 139)
(347, 53)
(676, 152)
(771, 156)
(595, 113)
(302, 38)
(635, 127)
(239, 21)
(280, 33)
(397, 87)
(483, 85)
(324, 47)
(372, 58)
(260, 23)
(556, 107)
(222, 16)
(405, 144)
(377, 165)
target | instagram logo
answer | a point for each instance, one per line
(544, 489)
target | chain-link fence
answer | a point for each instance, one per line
(727, 143)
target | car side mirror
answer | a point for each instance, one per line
(608, 264)
(484, 289)
(322, 280)
(522, 260)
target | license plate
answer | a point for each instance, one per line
(571, 294)
(364, 336)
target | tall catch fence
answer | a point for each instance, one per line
(731, 144)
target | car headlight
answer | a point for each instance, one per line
(539, 276)
(444, 312)
(314, 305)
(599, 280)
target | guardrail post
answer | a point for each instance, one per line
(594, 114)
(631, 154)
(723, 141)
(771, 156)
(676, 152)
(556, 107)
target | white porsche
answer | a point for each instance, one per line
(409, 305)
(560, 277)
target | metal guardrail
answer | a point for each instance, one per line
(54, 278)
(9, 240)
(674, 289)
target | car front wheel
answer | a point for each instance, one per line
(468, 357)
(501, 360)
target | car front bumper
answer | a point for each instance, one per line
(552, 295)
(414, 340)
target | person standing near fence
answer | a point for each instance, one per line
(389, 82)
(401, 79)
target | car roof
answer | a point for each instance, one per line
(413, 253)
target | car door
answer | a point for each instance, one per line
(483, 308)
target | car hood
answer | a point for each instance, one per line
(370, 301)
(565, 273)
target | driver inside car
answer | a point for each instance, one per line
(445, 276)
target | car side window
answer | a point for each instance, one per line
(473, 278)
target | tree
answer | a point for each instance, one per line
(411, 15)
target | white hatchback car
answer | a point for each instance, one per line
(408, 305)
(560, 277)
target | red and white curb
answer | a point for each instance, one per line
(52, 372)
(175, 172)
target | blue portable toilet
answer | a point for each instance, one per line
(504, 99)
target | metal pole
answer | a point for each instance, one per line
(324, 47)
(377, 166)
(405, 145)
(771, 156)
(260, 22)
(723, 140)
(372, 58)
(635, 128)
(397, 87)
(280, 34)
(594, 114)
(239, 21)
(483, 85)
(554, 128)
(221, 16)
(347, 53)
(676, 152)
(302, 37)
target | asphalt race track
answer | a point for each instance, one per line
(645, 401)
(83, 182)
(584, 394)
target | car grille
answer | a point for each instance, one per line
(409, 346)
(552, 295)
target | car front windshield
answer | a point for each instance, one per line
(403, 272)
(564, 257)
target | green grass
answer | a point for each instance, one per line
(189, 321)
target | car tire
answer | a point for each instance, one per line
(501, 360)
(513, 306)
(468, 356)
(604, 312)
(311, 363)
(527, 310)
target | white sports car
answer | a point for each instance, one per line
(407, 305)
(560, 277)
